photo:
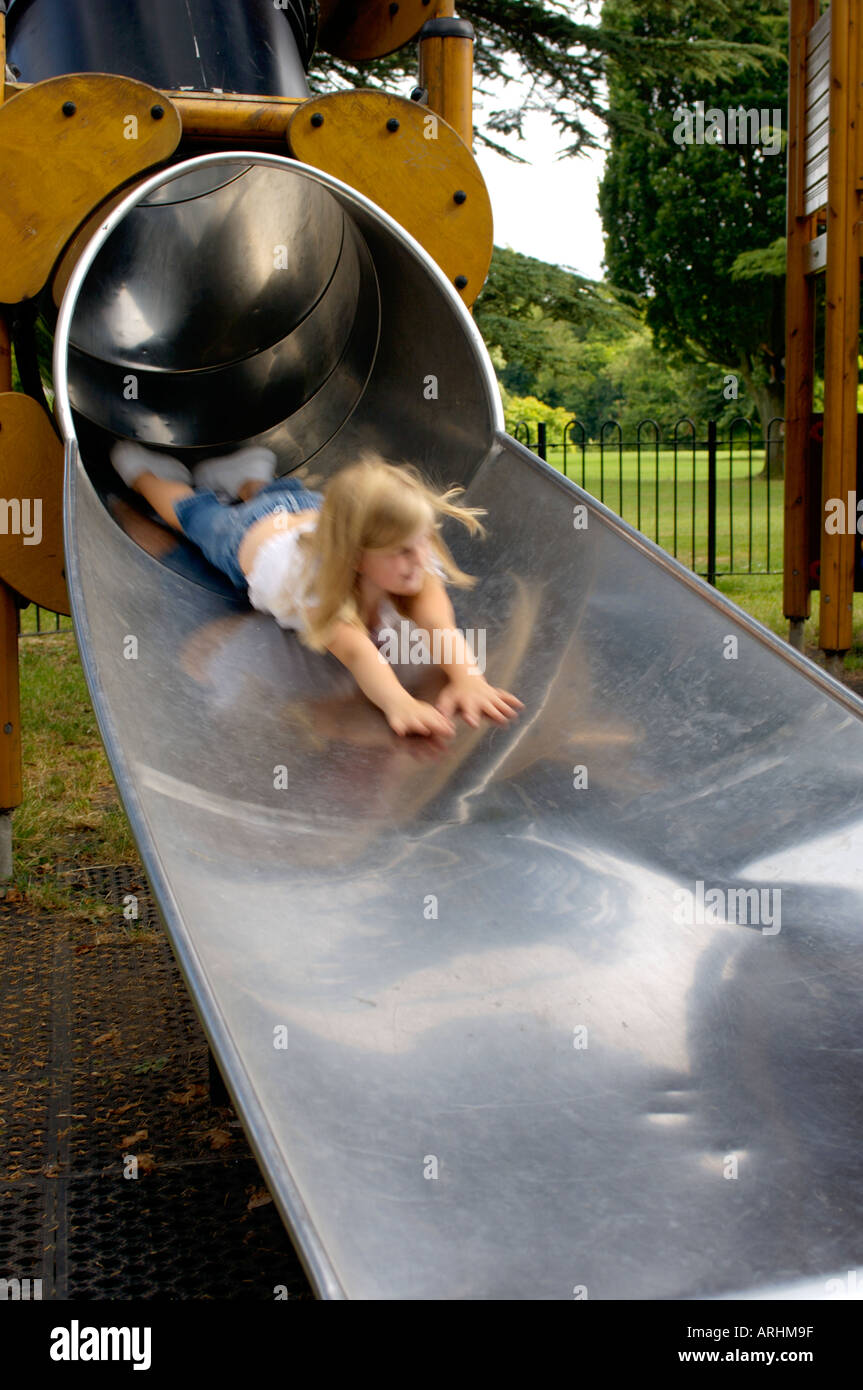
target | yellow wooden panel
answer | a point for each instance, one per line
(413, 172)
(31, 494)
(56, 167)
(359, 29)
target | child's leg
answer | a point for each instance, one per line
(162, 495)
(162, 479)
(250, 488)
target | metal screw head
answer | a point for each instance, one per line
(392, 123)
(460, 196)
(7, 728)
(460, 282)
(317, 119)
(157, 112)
(69, 108)
(394, 9)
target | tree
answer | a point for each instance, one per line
(564, 54)
(523, 295)
(571, 343)
(695, 229)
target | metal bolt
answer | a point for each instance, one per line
(460, 197)
(157, 112)
(394, 9)
(69, 108)
(392, 123)
(7, 728)
(317, 119)
(460, 282)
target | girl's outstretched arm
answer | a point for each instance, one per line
(378, 680)
(468, 691)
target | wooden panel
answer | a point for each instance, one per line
(55, 168)
(815, 254)
(816, 105)
(815, 177)
(818, 118)
(31, 468)
(799, 332)
(361, 29)
(413, 178)
(820, 30)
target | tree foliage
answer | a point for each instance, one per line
(564, 53)
(686, 224)
(560, 342)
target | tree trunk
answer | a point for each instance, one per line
(769, 400)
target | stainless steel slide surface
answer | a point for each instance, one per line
(490, 1020)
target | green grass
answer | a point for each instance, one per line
(749, 508)
(70, 810)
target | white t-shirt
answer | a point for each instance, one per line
(279, 568)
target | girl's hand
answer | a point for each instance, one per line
(410, 716)
(473, 697)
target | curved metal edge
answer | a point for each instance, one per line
(247, 157)
(706, 591)
(296, 1217)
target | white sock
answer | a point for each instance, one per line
(232, 470)
(131, 460)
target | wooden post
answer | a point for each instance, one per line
(841, 332)
(11, 780)
(799, 335)
(446, 68)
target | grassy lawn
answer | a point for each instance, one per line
(749, 508)
(71, 812)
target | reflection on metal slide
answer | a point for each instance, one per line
(550, 1032)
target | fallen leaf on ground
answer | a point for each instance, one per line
(134, 1139)
(196, 1092)
(218, 1138)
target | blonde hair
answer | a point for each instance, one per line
(371, 505)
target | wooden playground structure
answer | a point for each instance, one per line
(825, 181)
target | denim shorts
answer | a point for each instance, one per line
(217, 530)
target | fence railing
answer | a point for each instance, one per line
(710, 502)
(34, 621)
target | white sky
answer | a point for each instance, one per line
(547, 208)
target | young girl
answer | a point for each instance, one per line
(336, 567)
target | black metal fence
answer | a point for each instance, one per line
(715, 503)
(39, 621)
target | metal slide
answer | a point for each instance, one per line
(523, 1058)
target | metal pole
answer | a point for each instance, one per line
(711, 502)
